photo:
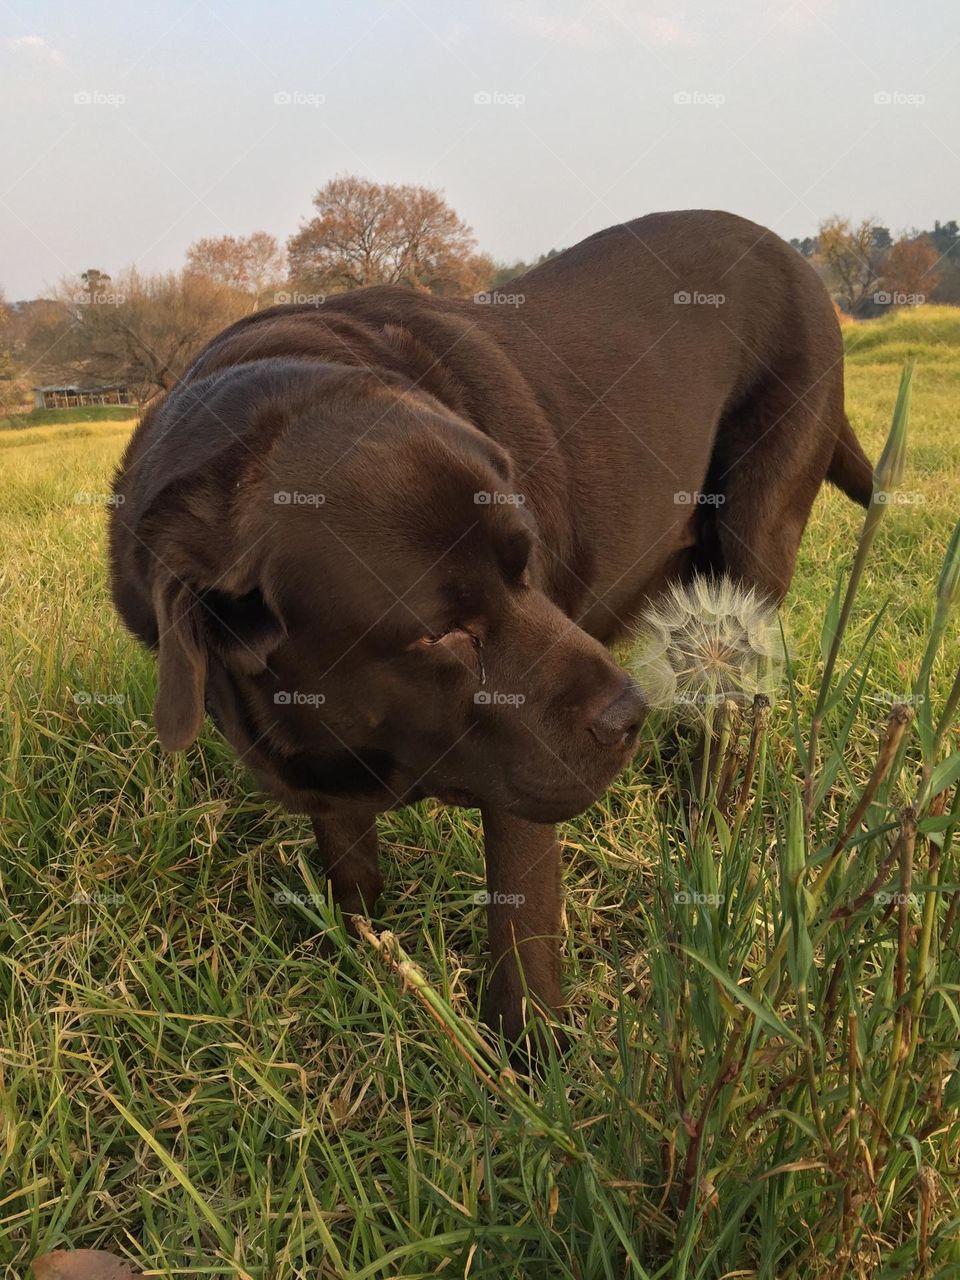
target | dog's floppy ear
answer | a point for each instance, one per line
(181, 665)
(241, 630)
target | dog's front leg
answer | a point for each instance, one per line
(349, 854)
(523, 918)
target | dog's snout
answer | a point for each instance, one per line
(620, 719)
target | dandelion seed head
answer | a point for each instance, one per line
(706, 642)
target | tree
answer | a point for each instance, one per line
(94, 280)
(909, 271)
(39, 328)
(946, 240)
(852, 257)
(12, 390)
(145, 331)
(806, 247)
(6, 338)
(881, 239)
(382, 233)
(503, 272)
(252, 264)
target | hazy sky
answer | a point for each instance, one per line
(181, 135)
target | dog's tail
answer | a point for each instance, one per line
(850, 469)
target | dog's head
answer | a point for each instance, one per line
(346, 575)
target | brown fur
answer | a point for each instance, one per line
(433, 644)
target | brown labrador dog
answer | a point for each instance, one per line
(384, 540)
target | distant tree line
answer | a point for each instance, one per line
(142, 329)
(867, 271)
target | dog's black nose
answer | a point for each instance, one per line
(619, 721)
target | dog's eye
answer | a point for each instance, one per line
(459, 643)
(451, 636)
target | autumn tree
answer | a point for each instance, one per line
(367, 233)
(13, 388)
(253, 265)
(94, 282)
(6, 338)
(852, 258)
(909, 270)
(145, 330)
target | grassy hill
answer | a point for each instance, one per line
(59, 417)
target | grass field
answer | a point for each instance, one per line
(57, 417)
(187, 1080)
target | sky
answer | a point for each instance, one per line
(129, 131)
